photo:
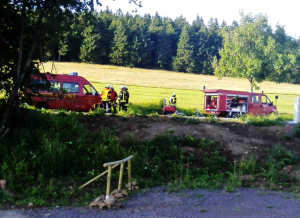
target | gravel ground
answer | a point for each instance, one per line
(244, 202)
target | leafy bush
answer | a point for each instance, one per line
(97, 112)
(248, 165)
(212, 119)
(297, 130)
(54, 146)
(271, 120)
(277, 158)
(154, 114)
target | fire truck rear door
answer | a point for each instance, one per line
(222, 102)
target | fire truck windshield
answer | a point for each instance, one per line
(89, 90)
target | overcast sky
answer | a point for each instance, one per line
(283, 12)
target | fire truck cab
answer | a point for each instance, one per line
(236, 103)
(68, 91)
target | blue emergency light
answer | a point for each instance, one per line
(73, 74)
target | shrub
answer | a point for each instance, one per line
(271, 120)
(155, 114)
(297, 130)
(97, 112)
(277, 158)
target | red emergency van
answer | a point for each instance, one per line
(68, 91)
(235, 103)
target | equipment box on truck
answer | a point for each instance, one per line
(235, 103)
(68, 91)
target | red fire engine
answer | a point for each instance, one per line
(235, 103)
(68, 91)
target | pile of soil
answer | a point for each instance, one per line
(240, 139)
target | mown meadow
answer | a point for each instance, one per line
(146, 85)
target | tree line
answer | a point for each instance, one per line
(161, 42)
(143, 41)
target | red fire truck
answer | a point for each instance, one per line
(236, 103)
(68, 91)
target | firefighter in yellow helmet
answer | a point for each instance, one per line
(105, 99)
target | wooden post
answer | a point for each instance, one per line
(108, 182)
(121, 176)
(129, 171)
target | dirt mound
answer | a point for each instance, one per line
(240, 139)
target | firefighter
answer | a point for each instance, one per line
(173, 100)
(113, 98)
(105, 99)
(123, 98)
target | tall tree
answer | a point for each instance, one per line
(26, 28)
(88, 50)
(105, 19)
(250, 52)
(120, 49)
(146, 45)
(184, 61)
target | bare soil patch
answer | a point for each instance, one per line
(239, 139)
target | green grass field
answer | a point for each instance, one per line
(146, 85)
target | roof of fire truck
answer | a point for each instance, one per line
(228, 92)
(65, 77)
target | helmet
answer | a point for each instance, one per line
(107, 86)
(111, 86)
(125, 87)
(174, 94)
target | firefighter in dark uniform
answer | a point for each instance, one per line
(173, 100)
(105, 99)
(123, 98)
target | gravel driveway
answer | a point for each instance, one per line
(243, 202)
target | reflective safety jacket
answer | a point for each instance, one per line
(172, 100)
(124, 96)
(104, 94)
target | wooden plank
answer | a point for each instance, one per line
(117, 162)
(97, 177)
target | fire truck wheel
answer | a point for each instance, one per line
(42, 105)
